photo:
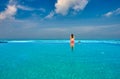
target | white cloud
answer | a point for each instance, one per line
(42, 9)
(25, 8)
(63, 6)
(117, 12)
(111, 13)
(22, 7)
(108, 14)
(50, 15)
(12, 8)
(9, 12)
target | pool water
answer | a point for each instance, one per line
(54, 59)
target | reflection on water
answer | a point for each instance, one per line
(72, 48)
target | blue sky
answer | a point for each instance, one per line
(57, 19)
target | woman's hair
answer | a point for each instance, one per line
(72, 36)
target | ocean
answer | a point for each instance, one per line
(54, 59)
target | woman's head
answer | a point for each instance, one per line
(72, 36)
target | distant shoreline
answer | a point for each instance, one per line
(3, 42)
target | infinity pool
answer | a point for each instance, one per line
(54, 59)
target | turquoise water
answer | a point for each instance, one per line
(54, 59)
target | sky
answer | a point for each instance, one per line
(57, 19)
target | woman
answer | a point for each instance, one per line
(72, 38)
